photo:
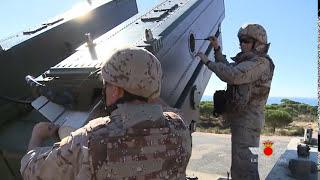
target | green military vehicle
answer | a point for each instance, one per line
(57, 79)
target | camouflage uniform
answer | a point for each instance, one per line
(137, 141)
(249, 81)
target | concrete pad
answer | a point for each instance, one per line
(202, 175)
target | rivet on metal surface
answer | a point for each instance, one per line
(148, 35)
(91, 45)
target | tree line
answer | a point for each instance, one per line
(276, 115)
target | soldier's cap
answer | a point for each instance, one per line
(255, 31)
(134, 69)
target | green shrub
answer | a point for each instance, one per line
(206, 108)
(271, 107)
(277, 118)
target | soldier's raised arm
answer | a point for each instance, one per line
(218, 56)
(245, 72)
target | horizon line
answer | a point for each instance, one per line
(282, 97)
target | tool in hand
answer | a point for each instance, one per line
(208, 38)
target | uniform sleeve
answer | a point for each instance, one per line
(219, 57)
(242, 73)
(60, 161)
(171, 109)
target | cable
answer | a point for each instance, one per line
(7, 164)
(6, 98)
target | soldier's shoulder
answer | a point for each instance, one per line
(174, 119)
(171, 109)
(171, 115)
(263, 59)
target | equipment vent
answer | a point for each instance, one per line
(160, 12)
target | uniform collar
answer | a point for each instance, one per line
(131, 114)
(240, 57)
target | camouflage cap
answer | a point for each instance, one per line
(134, 69)
(254, 31)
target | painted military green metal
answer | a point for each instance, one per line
(34, 51)
(73, 83)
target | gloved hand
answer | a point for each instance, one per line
(203, 57)
(214, 42)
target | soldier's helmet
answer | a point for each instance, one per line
(135, 70)
(254, 31)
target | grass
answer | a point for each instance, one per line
(305, 118)
(213, 125)
(287, 131)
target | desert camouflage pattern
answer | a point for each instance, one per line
(134, 69)
(244, 164)
(254, 31)
(249, 80)
(138, 141)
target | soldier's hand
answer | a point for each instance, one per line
(214, 42)
(41, 132)
(44, 130)
(203, 57)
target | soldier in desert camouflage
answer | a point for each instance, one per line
(137, 141)
(249, 80)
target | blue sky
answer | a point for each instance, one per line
(292, 31)
(291, 27)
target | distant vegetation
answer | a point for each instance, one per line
(277, 119)
(287, 118)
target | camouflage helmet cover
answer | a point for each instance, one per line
(135, 70)
(254, 31)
